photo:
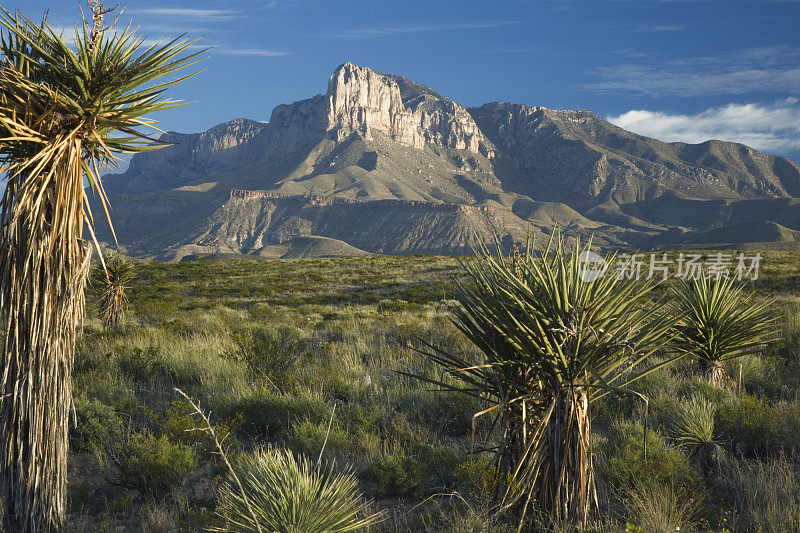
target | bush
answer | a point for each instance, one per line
(154, 466)
(97, 428)
(268, 415)
(288, 495)
(181, 425)
(752, 426)
(396, 475)
(621, 464)
(270, 353)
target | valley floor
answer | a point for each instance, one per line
(270, 348)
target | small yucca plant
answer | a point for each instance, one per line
(283, 494)
(114, 278)
(694, 430)
(717, 322)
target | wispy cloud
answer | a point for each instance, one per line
(205, 15)
(658, 29)
(249, 52)
(774, 128)
(384, 31)
(742, 71)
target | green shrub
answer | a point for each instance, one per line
(180, 424)
(621, 464)
(154, 466)
(269, 415)
(308, 438)
(97, 428)
(270, 353)
(396, 475)
(287, 495)
(751, 426)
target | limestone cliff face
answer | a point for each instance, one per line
(362, 100)
(191, 156)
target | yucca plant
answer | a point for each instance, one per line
(283, 494)
(117, 273)
(551, 342)
(718, 322)
(694, 430)
(68, 104)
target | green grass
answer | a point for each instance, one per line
(338, 332)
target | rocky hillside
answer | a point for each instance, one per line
(382, 164)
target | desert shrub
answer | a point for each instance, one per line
(308, 438)
(153, 466)
(397, 474)
(98, 425)
(111, 389)
(621, 464)
(446, 413)
(283, 494)
(158, 520)
(180, 424)
(142, 365)
(751, 426)
(265, 414)
(477, 476)
(270, 353)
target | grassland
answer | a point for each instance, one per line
(275, 350)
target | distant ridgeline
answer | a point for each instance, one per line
(381, 164)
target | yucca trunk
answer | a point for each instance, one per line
(43, 275)
(112, 305)
(714, 372)
(556, 471)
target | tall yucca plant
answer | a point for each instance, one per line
(551, 341)
(717, 322)
(67, 105)
(118, 272)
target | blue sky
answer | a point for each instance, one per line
(677, 70)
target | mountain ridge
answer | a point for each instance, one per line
(405, 169)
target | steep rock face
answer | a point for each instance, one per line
(191, 156)
(361, 100)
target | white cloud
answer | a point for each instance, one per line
(773, 69)
(251, 52)
(774, 128)
(658, 29)
(400, 30)
(210, 15)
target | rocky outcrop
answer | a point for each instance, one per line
(361, 100)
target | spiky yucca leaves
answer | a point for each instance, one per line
(717, 322)
(62, 100)
(289, 495)
(694, 430)
(117, 273)
(551, 344)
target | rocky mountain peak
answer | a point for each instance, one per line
(361, 101)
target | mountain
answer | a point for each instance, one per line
(381, 164)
